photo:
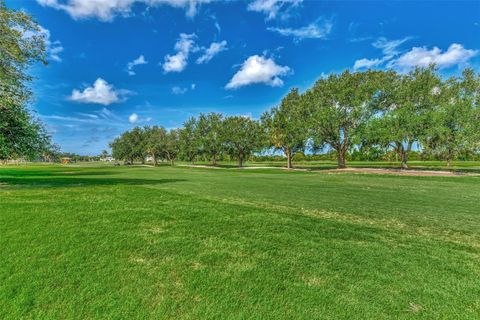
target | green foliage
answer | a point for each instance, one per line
(130, 146)
(189, 149)
(339, 106)
(242, 136)
(456, 126)
(21, 45)
(368, 116)
(285, 125)
(208, 135)
(404, 113)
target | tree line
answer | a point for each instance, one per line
(343, 113)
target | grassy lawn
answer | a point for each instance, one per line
(138, 242)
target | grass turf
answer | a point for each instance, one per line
(138, 242)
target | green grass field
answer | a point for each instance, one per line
(187, 243)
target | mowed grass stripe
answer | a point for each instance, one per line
(131, 250)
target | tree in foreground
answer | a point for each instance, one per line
(338, 107)
(242, 136)
(21, 45)
(455, 124)
(403, 117)
(285, 126)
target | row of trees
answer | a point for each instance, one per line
(210, 136)
(344, 113)
(21, 45)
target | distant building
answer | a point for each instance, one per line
(107, 159)
(66, 160)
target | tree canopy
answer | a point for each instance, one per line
(21, 45)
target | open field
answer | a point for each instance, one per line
(135, 242)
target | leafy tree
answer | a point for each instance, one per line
(172, 145)
(285, 126)
(338, 108)
(130, 146)
(208, 135)
(21, 45)
(154, 142)
(242, 136)
(404, 111)
(188, 140)
(456, 125)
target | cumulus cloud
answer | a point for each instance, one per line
(133, 118)
(178, 62)
(272, 8)
(456, 54)
(101, 92)
(107, 10)
(139, 61)
(316, 30)
(258, 69)
(210, 52)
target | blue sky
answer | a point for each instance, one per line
(116, 64)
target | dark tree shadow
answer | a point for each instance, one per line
(82, 180)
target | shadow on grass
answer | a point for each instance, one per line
(77, 181)
(53, 173)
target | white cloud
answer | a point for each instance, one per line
(107, 10)
(272, 8)
(178, 62)
(133, 118)
(210, 52)
(367, 63)
(258, 69)
(315, 30)
(100, 93)
(178, 90)
(139, 61)
(389, 49)
(456, 54)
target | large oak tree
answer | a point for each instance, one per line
(339, 106)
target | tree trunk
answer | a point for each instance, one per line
(341, 160)
(403, 155)
(240, 161)
(214, 159)
(449, 162)
(289, 158)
